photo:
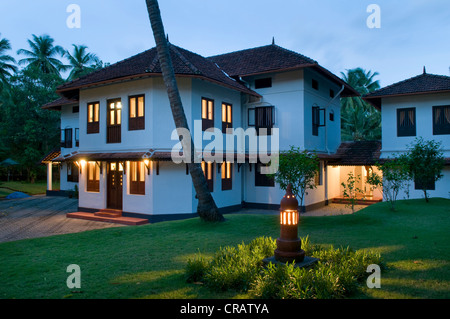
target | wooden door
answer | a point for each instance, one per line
(115, 185)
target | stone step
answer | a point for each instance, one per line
(117, 220)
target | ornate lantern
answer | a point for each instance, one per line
(289, 244)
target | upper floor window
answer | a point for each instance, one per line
(114, 127)
(207, 113)
(227, 179)
(318, 119)
(66, 138)
(441, 120)
(315, 84)
(93, 117)
(136, 120)
(137, 178)
(77, 137)
(227, 119)
(262, 118)
(208, 170)
(263, 83)
(406, 122)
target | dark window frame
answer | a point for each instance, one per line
(262, 180)
(93, 127)
(264, 118)
(67, 138)
(316, 122)
(441, 121)
(72, 172)
(228, 123)
(208, 170)
(406, 126)
(92, 185)
(137, 187)
(137, 122)
(77, 137)
(263, 83)
(430, 185)
(206, 122)
(227, 170)
(315, 84)
(114, 131)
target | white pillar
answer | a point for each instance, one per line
(49, 176)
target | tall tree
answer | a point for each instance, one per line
(7, 62)
(81, 62)
(359, 119)
(43, 55)
(207, 208)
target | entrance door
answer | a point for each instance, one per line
(115, 182)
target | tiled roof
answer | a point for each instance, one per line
(56, 104)
(185, 63)
(272, 58)
(421, 84)
(358, 153)
(50, 156)
(260, 60)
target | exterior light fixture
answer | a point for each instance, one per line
(289, 245)
(147, 164)
(81, 165)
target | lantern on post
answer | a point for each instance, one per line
(289, 245)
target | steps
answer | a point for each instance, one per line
(359, 201)
(109, 216)
(107, 212)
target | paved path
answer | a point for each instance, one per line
(41, 216)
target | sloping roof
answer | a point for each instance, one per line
(56, 104)
(185, 63)
(51, 156)
(357, 153)
(272, 58)
(421, 84)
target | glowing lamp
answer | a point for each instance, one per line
(289, 245)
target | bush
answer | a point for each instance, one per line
(336, 275)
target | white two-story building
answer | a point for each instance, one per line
(117, 129)
(416, 107)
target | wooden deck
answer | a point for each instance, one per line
(359, 201)
(109, 217)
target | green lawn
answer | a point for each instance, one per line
(148, 261)
(39, 187)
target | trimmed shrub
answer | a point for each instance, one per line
(336, 275)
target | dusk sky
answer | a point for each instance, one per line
(413, 33)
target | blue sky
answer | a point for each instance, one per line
(413, 33)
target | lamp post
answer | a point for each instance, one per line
(289, 245)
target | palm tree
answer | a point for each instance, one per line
(359, 119)
(207, 208)
(42, 55)
(81, 62)
(7, 62)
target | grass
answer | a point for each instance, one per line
(36, 188)
(148, 261)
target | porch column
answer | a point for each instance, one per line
(49, 176)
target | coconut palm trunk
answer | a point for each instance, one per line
(207, 208)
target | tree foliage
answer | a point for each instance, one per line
(359, 119)
(27, 132)
(425, 161)
(298, 168)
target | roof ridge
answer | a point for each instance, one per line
(404, 81)
(191, 66)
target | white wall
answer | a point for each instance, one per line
(391, 143)
(329, 137)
